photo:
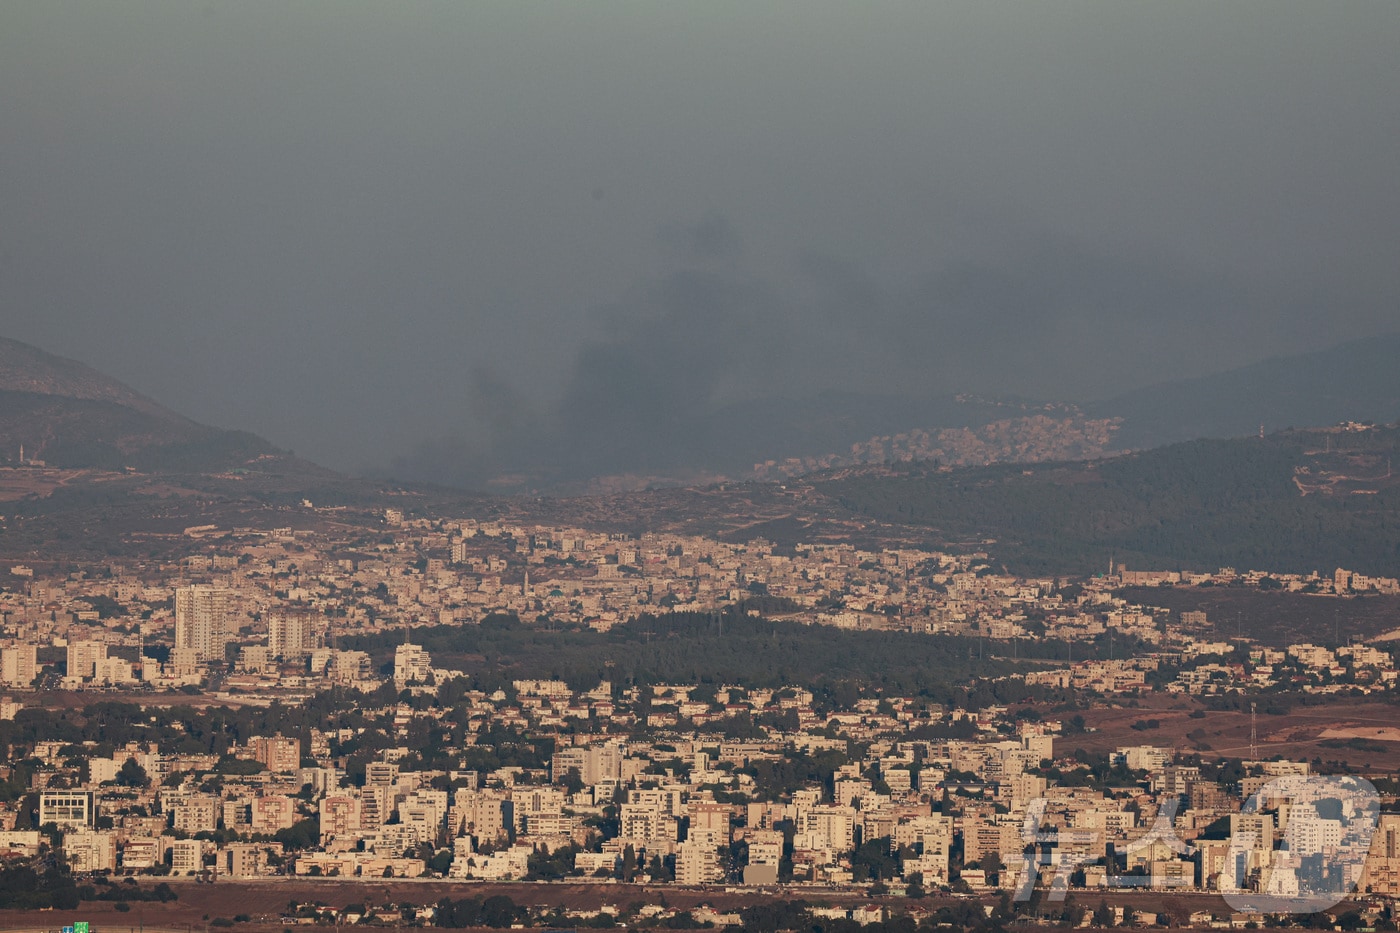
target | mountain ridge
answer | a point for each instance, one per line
(71, 414)
(68, 414)
(1352, 381)
(1284, 391)
(1297, 500)
(28, 369)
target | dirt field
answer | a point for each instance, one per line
(19, 483)
(1361, 734)
(78, 700)
(264, 902)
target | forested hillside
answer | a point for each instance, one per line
(1197, 505)
(1356, 380)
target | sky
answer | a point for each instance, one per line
(453, 239)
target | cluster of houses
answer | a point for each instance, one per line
(647, 784)
(993, 809)
(272, 604)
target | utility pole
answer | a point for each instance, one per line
(1253, 731)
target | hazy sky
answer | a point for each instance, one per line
(359, 228)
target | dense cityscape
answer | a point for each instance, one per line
(761, 467)
(413, 769)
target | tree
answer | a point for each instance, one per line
(551, 866)
(23, 888)
(872, 861)
(304, 834)
(573, 781)
(133, 775)
(991, 863)
(501, 911)
(628, 869)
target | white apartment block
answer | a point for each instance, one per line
(88, 851)
(18, 665)
(292, 636)
(412, 664)
(67, 809)
(201, 620)
(186, 856)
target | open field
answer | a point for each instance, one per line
(265, 900)
(1359, 733)
(80, 699)
(35, 481)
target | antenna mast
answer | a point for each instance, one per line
(1253, 731)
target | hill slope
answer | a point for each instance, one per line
(69, 415)
(1295, 501)
(1356, 381)
(786, 438)
(27, 369)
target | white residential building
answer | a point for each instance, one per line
(201, 620)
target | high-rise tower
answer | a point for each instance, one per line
(201, 620)
(292, 636)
